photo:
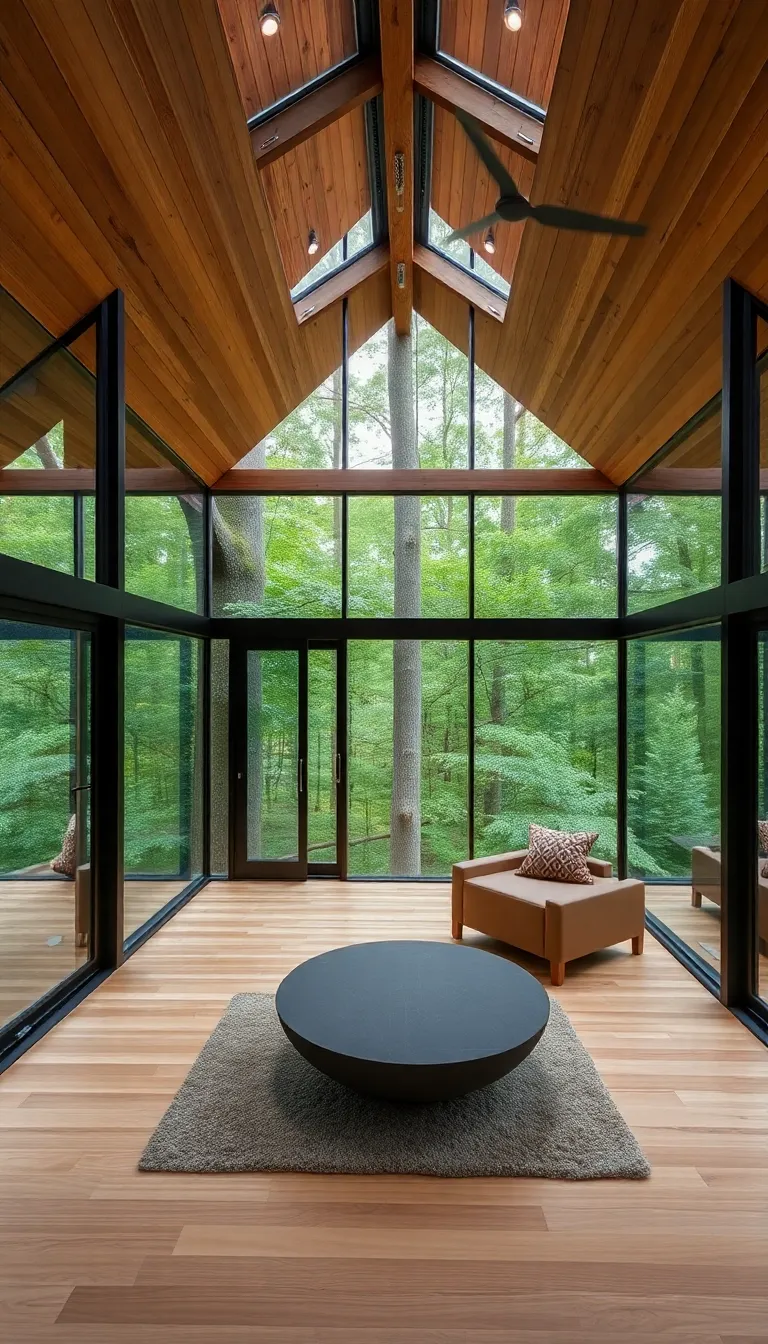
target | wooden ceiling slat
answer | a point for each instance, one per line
(474, 32)
(313, 37)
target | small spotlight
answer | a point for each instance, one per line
(513, 16)
(312, 243)
(269, 20)
(489, 242)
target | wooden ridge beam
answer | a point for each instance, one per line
(396, 22)
(459, 282)
(319, 108)
(450, 90)
(341, 283)
(432, 481)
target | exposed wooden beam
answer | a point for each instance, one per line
(343, 282)
(396, 20)
(319, 108)
(67, 480)
(459, 282)
(354, 481)
(450, 90)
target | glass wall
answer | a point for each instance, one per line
(277, 555)
(546, 555)
(407, 756)
(408, 556)
(761, 893)
(673, 716)
(509, 436)
(163, 770)
(674, 518)
(45, 888)
(47, 444)
(164, 542)
(545, 741)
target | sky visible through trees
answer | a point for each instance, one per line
(544, 731)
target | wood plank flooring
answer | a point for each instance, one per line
(37, 933)
(91, 1250)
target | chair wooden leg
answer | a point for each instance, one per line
(557, 972)
(456, 929)
(637, 945)
(696, 900)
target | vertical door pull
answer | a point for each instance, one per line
(338, 767)
(301, 774)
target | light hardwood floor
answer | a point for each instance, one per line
(37, 933)
(94, 1252)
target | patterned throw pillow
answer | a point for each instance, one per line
(66, 861)
(558, 856)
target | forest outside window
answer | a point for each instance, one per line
(545, 736)
(164, 544)
(674, 767)
(277, 555)
(408, 556)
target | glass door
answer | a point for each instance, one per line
(326, 760)
(268, 755)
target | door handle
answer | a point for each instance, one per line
(301, 774)
(337, 775)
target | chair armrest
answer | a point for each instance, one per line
(469, 868)
(599, 868)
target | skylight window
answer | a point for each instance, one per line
(359, 238)
(464, 255)
(519, 62)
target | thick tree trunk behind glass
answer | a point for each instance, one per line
(405, 825)
(238, 576)
(492, 801)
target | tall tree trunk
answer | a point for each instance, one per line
(405, 824)
(337, 463)
(492, 801)
(238, 576)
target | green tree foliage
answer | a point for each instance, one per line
(545, 712)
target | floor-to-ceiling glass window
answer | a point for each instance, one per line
(163, 770)
(673, 809)
(45, 877)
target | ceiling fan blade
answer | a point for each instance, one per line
(559, 217)
(486, 222)
(506, 184)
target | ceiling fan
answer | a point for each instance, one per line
(512, 207)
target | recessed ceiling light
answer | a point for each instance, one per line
(489, 242)
(513, 16)
(269, 20)
(312, 243)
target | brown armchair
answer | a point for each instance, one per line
(555, 920)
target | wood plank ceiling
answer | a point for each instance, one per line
(322, 185)
(127, 162)
(659, 112)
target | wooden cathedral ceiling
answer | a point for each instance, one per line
(126, 161)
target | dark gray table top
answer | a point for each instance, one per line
(412, 1002)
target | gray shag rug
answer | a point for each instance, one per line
(252, 1103)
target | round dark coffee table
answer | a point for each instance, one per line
(412, 1021)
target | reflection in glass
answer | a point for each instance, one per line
(163, 770)
(273, 754)
(545, 741)
(408, 810)
(47, 428)
(323, 764)
(45, 898)
(673, 810)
